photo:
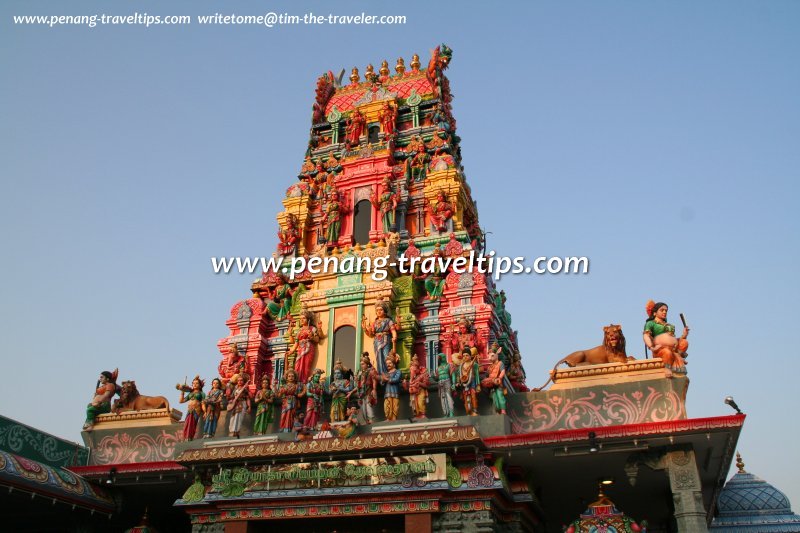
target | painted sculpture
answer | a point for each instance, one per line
(444, 376)
(659, 337)
(289, 393)
(467, 381)
(315, 393)
(440, 212)
(305, 346)
(348, 429)
(193, 396)
(366, 388)
(387, 118)
(384, 333)
(238, 406)
(101, 401)
(263, 400)
(354, 128)
(493, 383)
(212, 408)
(333, 211)
(280, 300)
(386, 204)
(339, 388)
(392, 378)
(418, 388)
(611, 351)
(131, 400)
(417, 160)
(288, 237)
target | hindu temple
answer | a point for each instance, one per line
(371, 397)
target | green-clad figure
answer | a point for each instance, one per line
(444, 375)
(493, 383)
(264, 411)
(280, 302)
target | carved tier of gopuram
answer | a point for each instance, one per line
(375, 399)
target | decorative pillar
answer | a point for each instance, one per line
(684, 482)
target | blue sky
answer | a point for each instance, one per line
(658, 139)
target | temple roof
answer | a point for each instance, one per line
(748, 503)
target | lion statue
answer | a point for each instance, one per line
(611, 351)
(131, 400)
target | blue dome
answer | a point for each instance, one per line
(747, 503)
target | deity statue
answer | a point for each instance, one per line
(354, 128)
(339, 388)
(392, 377)
(386, 204)
(463, 337)
(333, 211)
(212, 408)
(308, 170)
(301, 430)
(264, 401)
(348, 429)
(417, 158)
(305, 346)
(105, 389)
(333, 166)
(468, 381)
(444, 377)
(195, 396)
(659, 337)
(440, 120)
(290, 392)
(387, 118)
(435, 281)
(238, 406)
(516, 374)
(440, 212)
(280, 300)
(315, 389)
(288, 237)
(384, 333)
(418, 388)
(493, 383)
(366, 388)
(233, 365)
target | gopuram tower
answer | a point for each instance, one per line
(382, 177)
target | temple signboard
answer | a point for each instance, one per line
(408, 470)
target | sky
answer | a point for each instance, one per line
(658, 139)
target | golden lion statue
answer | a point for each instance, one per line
(611, 351)
(131, 400)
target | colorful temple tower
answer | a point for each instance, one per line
(382, 178)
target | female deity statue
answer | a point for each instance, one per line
(212, 408)
(280, 302)
(288, 237)
(101, 402)
(238, 406)
(467, 381)
(659, 337)
(354, 128)
(305, 346)
(386, 203)
(195, 396)
(315, 389)
(333, 218)
(440, 212)
(382, 330)
(264, 412)
(366, 388)
(289, 393)
(348, 429)
(417, 159)
(387, 117)
(418, 388)
(339, 388)
(444, 376)
(391, 396)
(493, 383)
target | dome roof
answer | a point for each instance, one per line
(748, 503)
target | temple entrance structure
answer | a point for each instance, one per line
(368, 397)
